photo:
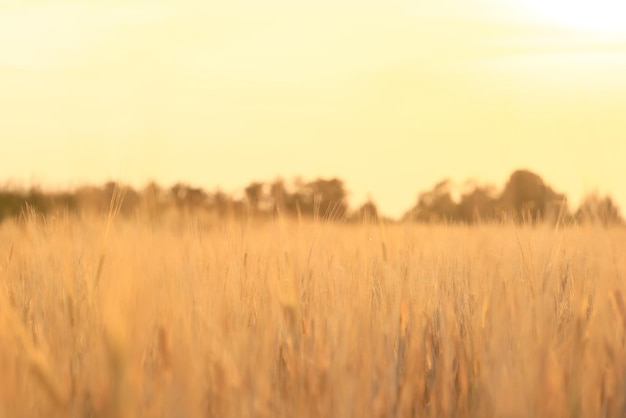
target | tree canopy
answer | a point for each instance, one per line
(525, 198)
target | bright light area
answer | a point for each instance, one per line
(391, 96)
(607, 16)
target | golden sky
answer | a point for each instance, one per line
(391, 96)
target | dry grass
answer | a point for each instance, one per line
(299, 319)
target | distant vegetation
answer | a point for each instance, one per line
(134, 313)
(119, 318)
(526, 198)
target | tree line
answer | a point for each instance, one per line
(525, 198)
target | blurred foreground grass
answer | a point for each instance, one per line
(307, 319)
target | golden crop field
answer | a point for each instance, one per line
(286, 318)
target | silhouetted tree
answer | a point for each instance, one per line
(368, 212)
(326, 198)
(11, 204)
(220, 201)
(131, 201)
(152, 199)
(478, 204)
(597, 209)
(435, 205)
(196, 198)
(254, 192)
(102, 198)
(527, 197)
(188, 199)
(278, 196)
(64, 201)
(178, 194)
(37, 200)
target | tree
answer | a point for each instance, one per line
(151, 197)
(368, 212)
(478, 204)
(597, 209)
(527, 197)
(11, 203)
(187, 198)
(254, 192)
(435, 205)
(278, 196)
(221, 202)
(328, 198)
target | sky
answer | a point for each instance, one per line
(391, 96)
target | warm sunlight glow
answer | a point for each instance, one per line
(599, 15)
(390, 96)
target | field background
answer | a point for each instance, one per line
(284, 318)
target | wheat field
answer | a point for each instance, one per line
(286, 318)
